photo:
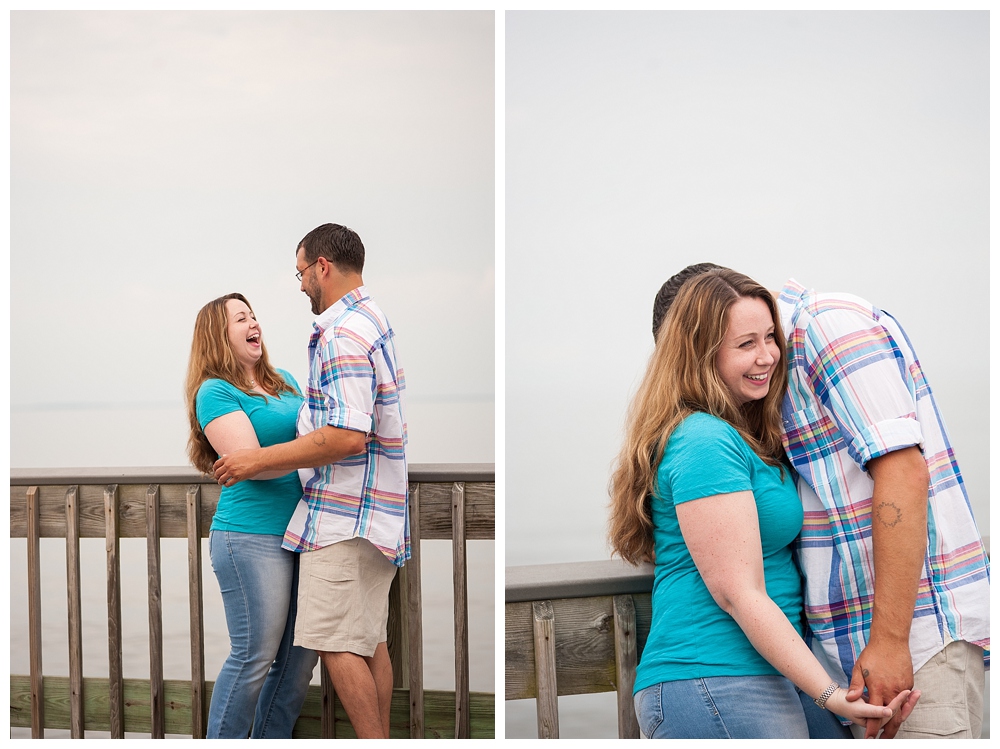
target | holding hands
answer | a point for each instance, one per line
(887, 672)
(876, 717)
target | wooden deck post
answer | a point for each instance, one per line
(197, 623)
(35, 614)
(116, 689)
(626, 659)
(460, 578)
(414, 619)
(155, 605)
(328, 705)
(74, 612)
(547, 699)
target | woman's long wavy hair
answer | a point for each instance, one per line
(682, 378)
(212, 357)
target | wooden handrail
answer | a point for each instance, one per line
(447, 501)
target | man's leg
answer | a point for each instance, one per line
(357, 689)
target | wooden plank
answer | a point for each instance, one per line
(435, 520)
(626, 659)
(436, 516)
(155, 607)
(199, 723)
(543, 619)
(395, 627)
(328, 705)
(33, 514)
(131, 511)
(417, 473)
(461, 603)
(585, 650)
(116, 691)
(414, 619)
(440, 709)
(74, 613)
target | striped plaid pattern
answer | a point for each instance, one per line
(355, 382)
(856, 391)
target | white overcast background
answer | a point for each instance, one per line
(162, 159)
(847, 150)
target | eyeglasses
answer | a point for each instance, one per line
(298, 275)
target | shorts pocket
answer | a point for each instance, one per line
(938, 720)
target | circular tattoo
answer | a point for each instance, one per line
(888, 514)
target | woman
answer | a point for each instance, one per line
(237, 400)
(701, 486)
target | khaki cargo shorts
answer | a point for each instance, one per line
(343, 604)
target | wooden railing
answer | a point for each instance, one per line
(447, 501)
(575, 629)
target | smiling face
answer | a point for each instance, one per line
(244, 333)
(749, 352)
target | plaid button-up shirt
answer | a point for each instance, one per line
(355, 382)
(856, 391)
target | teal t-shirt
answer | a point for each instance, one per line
(263, 507)
(690, 636)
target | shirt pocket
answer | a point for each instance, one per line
(810, 435)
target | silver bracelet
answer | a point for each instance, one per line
(827, 694)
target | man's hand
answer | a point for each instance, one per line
(886, 670)
(237, 466)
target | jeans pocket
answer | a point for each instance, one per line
(648, 710)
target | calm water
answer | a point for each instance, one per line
(133, 437)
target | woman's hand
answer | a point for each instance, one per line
(860, 712)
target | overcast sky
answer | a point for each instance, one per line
(162, 159)
(847, 150)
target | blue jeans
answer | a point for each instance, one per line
(721, 707)
(263, 682)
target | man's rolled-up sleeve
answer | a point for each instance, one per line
(862, 379)
(348, 383)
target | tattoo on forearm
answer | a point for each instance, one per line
(319, 439)
(888, 514)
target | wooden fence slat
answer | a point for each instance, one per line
(547, 700)
(116, 690)
(195, 604)
(35, 613)
(74, 612)
(328, 705)
(414, 619)
(155, 605)
(460, 579)
(626, 659)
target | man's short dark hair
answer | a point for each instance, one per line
(665, 296)
(338, 244)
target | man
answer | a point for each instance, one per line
(896, 575)
(351, 525)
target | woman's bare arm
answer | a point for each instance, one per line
(233, 431)
(723, 537)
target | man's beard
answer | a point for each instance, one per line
(314, 299)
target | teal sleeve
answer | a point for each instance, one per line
(215, 398)
(705, 456)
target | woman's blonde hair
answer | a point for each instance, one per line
(682, 378)
(212, 357)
